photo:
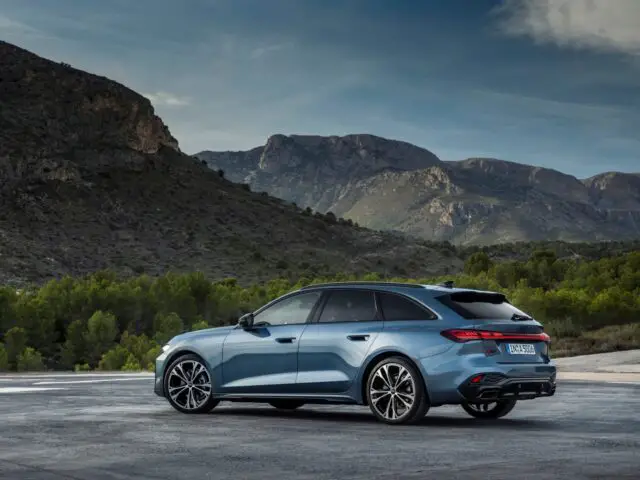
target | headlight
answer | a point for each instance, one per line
(165, 347)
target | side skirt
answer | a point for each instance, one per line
(266, 397)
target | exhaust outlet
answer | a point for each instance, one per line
(488, 395)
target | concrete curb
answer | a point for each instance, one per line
(606, 377)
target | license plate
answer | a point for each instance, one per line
(521, 349)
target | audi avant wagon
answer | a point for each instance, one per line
(399, 349)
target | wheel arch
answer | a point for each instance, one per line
(180, 353)
(378, 357)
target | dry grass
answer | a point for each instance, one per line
(607, 339)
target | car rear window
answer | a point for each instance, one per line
(395, 307)
(482, 306)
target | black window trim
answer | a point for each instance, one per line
(409, 299)
(327, 294)
(276, 301)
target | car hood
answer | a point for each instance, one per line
(208, 332)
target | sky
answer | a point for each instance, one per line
(552, 83)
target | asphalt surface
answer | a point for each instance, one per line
(116, 428)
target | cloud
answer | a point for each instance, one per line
(167, 99)
(11, 28)
(267, 49)
(8, 24)
(602, 25)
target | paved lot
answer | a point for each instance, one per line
(116, 428)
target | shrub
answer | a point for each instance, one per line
(114, 359)
(30, 360)
(132, 364)
(4, 359)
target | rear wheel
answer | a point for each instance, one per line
(396, 393)
(286, 404)
(187, 385)
(489, 410)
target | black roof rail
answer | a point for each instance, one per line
(363, 283)
(447, 284)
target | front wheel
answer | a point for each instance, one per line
(396, 392)
(489, 410)
(286, 404)
(187, 385)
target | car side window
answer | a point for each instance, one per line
(349, 306)
(290, 311)
(396, 307)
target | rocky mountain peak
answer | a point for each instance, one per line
(522, 175)
(615, 190)
(51, 108)
(355, 154)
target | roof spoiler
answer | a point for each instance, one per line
(447, 284)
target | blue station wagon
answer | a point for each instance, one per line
(398, 348)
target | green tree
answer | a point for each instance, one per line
(30, 360)
(167, 326)
(8, 297)
(15, 341)
(4, 359)
(102, 330)
(132, 364)
(201, 325)
(138, 345)
(149, 359)
(114, 359)
(74, 349)
(477, 263)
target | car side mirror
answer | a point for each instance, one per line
(246, 321)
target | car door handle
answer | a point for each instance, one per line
(285, 339)
(358, 338)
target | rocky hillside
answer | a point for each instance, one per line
(91, 178)
(391, 185)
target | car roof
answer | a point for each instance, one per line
(390, 286)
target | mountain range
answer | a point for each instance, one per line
(392, 185)
(92, 179)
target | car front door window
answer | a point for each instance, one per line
(290, 311)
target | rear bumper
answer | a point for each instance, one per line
(493, 387)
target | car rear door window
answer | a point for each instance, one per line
(349, 306)
(397, 307)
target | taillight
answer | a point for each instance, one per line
(462, 336)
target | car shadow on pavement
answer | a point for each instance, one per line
(366, 417)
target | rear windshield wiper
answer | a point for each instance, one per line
(517, 316)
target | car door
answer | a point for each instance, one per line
(335, 344)
(264, 359)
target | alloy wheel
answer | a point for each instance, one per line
(483, 407)
(490, 409)
(392, 391)
(189, 385)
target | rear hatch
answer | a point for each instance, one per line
(508, 333)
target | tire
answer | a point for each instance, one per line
(187, 393)
(500, 409)
(286, 404)
(398, 409)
